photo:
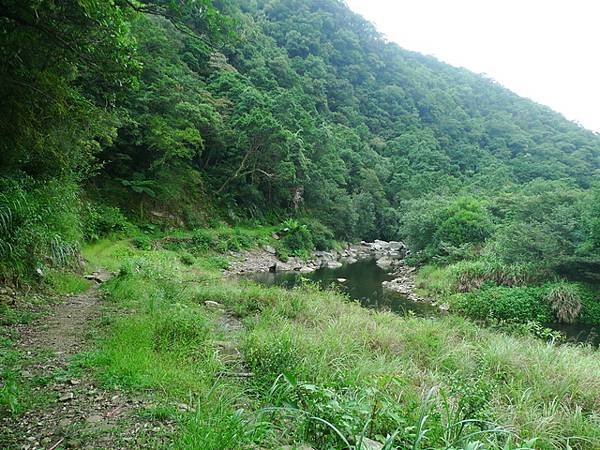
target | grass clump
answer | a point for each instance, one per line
(182, 330)
(342, 372)
(187, 258)
(142, 242)
(66, 282)
(40, 227)
(565, 302)
(108, 253)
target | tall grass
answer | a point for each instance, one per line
(323, 371)
(39, 226)
(565, 302)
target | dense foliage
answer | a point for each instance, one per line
(180, 112)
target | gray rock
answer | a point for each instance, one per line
(270, 249)
(66, 397)
(333, 264)
(386, 263)
(213, 305)
(370, 444)
(396, 245)
(94, 418)
(64, 423)
(307, 269)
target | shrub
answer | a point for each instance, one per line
(450, 230)
(521, 304)
(215, 262)
(519, 242)
(100, 221)
(282, 253)
(142, 242)
(234, 241)
(564, 302)
(297, 237)
(465, 221)
(187, 258)
(590, 305)
(202, 240)
(322, 237)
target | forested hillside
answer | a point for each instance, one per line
(263, 110)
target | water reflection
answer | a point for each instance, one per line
(361, 281)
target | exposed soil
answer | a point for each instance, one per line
(73, 411)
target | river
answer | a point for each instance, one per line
(362, 281)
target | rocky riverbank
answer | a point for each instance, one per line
(404, 283)
(389, 256)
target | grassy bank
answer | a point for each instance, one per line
(490, 292)
(268, 367)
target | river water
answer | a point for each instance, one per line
(362, 281)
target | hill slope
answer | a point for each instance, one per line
(267, 109)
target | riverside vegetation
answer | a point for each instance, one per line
(152, 138)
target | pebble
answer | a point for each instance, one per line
(211, 304)
(95, 418)
(66, 397)
(64, 423)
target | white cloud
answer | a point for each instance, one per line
(546, 50)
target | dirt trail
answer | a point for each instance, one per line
(78, 413)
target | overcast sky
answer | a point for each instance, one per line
(547, 50)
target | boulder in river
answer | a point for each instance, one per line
(385, 262)
(333, 264)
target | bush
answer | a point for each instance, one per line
(234, 241)
(439, 229)
(322, 237)
(202, 240)
(522, 243)
(142, 242)
(464, 222)
(590, 305)
(562, 302)
(521, 304)
(100, 221)
(282, 253)
(297, 238)
(215, 262)
(187, 258)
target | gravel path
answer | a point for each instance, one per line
(78, 413)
